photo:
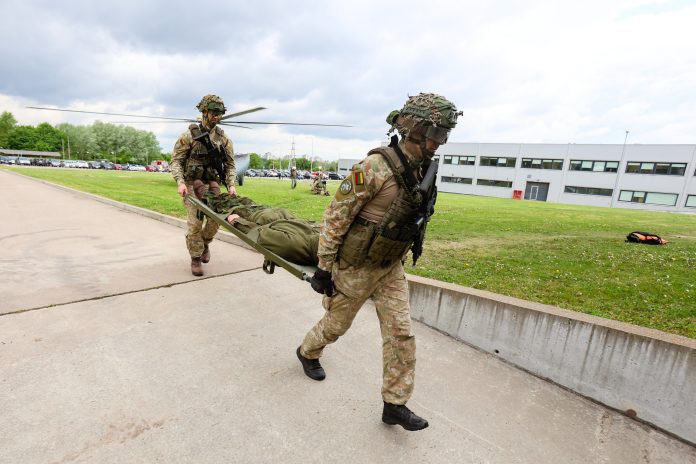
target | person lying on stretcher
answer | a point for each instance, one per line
(275, 229)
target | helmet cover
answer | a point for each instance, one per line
(211, 102)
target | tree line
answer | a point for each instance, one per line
(117, 143)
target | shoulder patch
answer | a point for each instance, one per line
(346, 187)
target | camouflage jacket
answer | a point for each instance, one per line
(361, 185)
(185, 145)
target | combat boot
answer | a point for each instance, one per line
(205, 257)
(312, 367)
(196, 267)
(399, 414)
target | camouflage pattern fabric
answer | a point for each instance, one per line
(186, 144)
(388, 289)
(359, 188)
(354, 285)
(200, 231)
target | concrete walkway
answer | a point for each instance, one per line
(111, 352)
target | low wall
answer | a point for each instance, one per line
(648, 374)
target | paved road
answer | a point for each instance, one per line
(111, 352)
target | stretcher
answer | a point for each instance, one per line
(270, 259)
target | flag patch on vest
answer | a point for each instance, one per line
(358, 177)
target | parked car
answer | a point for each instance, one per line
(56, 163)
(116, 167)
(40, 162)
(21, 161)
(94, 165)
(334, 176)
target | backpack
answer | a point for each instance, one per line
(645, 238)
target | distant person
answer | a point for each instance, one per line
(203, 153)
(318, 186)
(293, 178)
(366, 231)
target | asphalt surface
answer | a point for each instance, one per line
(112, 352)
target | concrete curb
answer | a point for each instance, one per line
(647, 374)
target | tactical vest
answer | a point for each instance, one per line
(199, 165)
(389, 240)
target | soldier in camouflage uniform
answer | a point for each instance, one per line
(366, 232)
(191, 161)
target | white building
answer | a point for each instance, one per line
(346, 164)
(657, 177)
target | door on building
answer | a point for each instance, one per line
(536, 191)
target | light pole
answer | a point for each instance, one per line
(615, 194)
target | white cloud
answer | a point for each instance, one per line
(546, 71)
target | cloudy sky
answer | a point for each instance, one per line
(553, 71)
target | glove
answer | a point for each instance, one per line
(321, 282)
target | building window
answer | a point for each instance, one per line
(497, 162)
(542, 163)
(457, 180)
(461, 160)
(691, 201)
(649, 198)
(595, 166)
(666, 169)
(436, 159)
(494, 183)
(589, 191)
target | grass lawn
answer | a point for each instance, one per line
(570, 256)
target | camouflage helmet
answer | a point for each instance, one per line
(430, 114)
(211, 102)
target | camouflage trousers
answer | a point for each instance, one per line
(199, 232)
(388, 289)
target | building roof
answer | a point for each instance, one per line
(45, 154)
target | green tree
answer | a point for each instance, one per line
(303, 163)
(7, 125)
(255, 161)
(22, 138)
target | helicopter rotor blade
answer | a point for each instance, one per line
(294, 124)
(252, 110)
(231, 124)
(153, 122)
(108, 114)
(165, 122)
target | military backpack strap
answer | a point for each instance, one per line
(408, 176)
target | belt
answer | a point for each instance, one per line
(363, 222)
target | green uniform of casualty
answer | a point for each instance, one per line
(276, 229)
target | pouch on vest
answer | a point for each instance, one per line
(356, 242)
